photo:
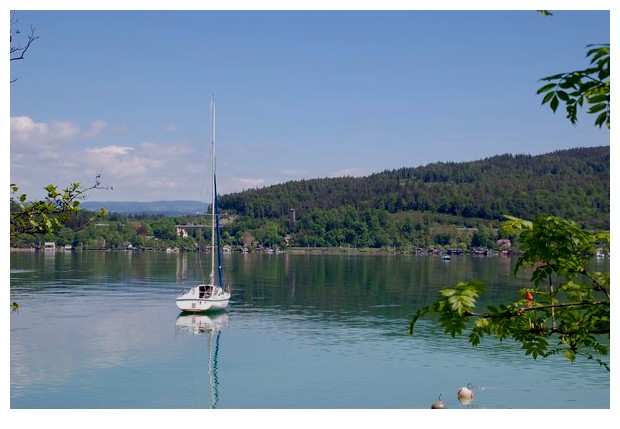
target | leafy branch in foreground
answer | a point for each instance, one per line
(566, 311)
(50, 214)
(590, 86)
(32, 218)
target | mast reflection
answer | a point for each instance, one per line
(210, 325)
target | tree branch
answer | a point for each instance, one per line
(524, 310)
(18, 51)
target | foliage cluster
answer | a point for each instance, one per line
(567, 311)
(59, 209)
(590, 86)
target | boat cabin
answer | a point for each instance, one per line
(205, 291)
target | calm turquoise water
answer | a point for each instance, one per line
(101, 330)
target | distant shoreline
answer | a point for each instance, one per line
(303, 251)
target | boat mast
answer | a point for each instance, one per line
(213, 192)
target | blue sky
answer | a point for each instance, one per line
(300, 94)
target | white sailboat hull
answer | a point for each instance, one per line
(203, 298)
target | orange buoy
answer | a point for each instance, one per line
(529, 299)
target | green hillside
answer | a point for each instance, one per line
(571, 183)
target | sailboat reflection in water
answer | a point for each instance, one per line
(210, 326)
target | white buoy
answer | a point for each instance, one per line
(438, 405)
(465, 401)
(466, 393)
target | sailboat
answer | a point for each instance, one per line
(211, 295)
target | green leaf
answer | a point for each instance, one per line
(568, 84)
(570, 355)
(420, 313)
(546, 88)
(598, 54)
(603, 118)
(599, 98)
(554, 103)
(548, 97)
(597, 108)
(554, 77)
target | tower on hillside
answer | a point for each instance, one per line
(291, 220)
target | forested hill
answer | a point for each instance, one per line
(572, 183)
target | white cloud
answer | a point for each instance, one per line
(64, 130)
(61, 152)
(121, 161)
(168, 149)
(96, 129)
(110, 150)
(25, 130)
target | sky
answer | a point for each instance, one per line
(300, 94)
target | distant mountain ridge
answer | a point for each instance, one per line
(166, 208)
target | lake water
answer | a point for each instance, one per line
(101, 330)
